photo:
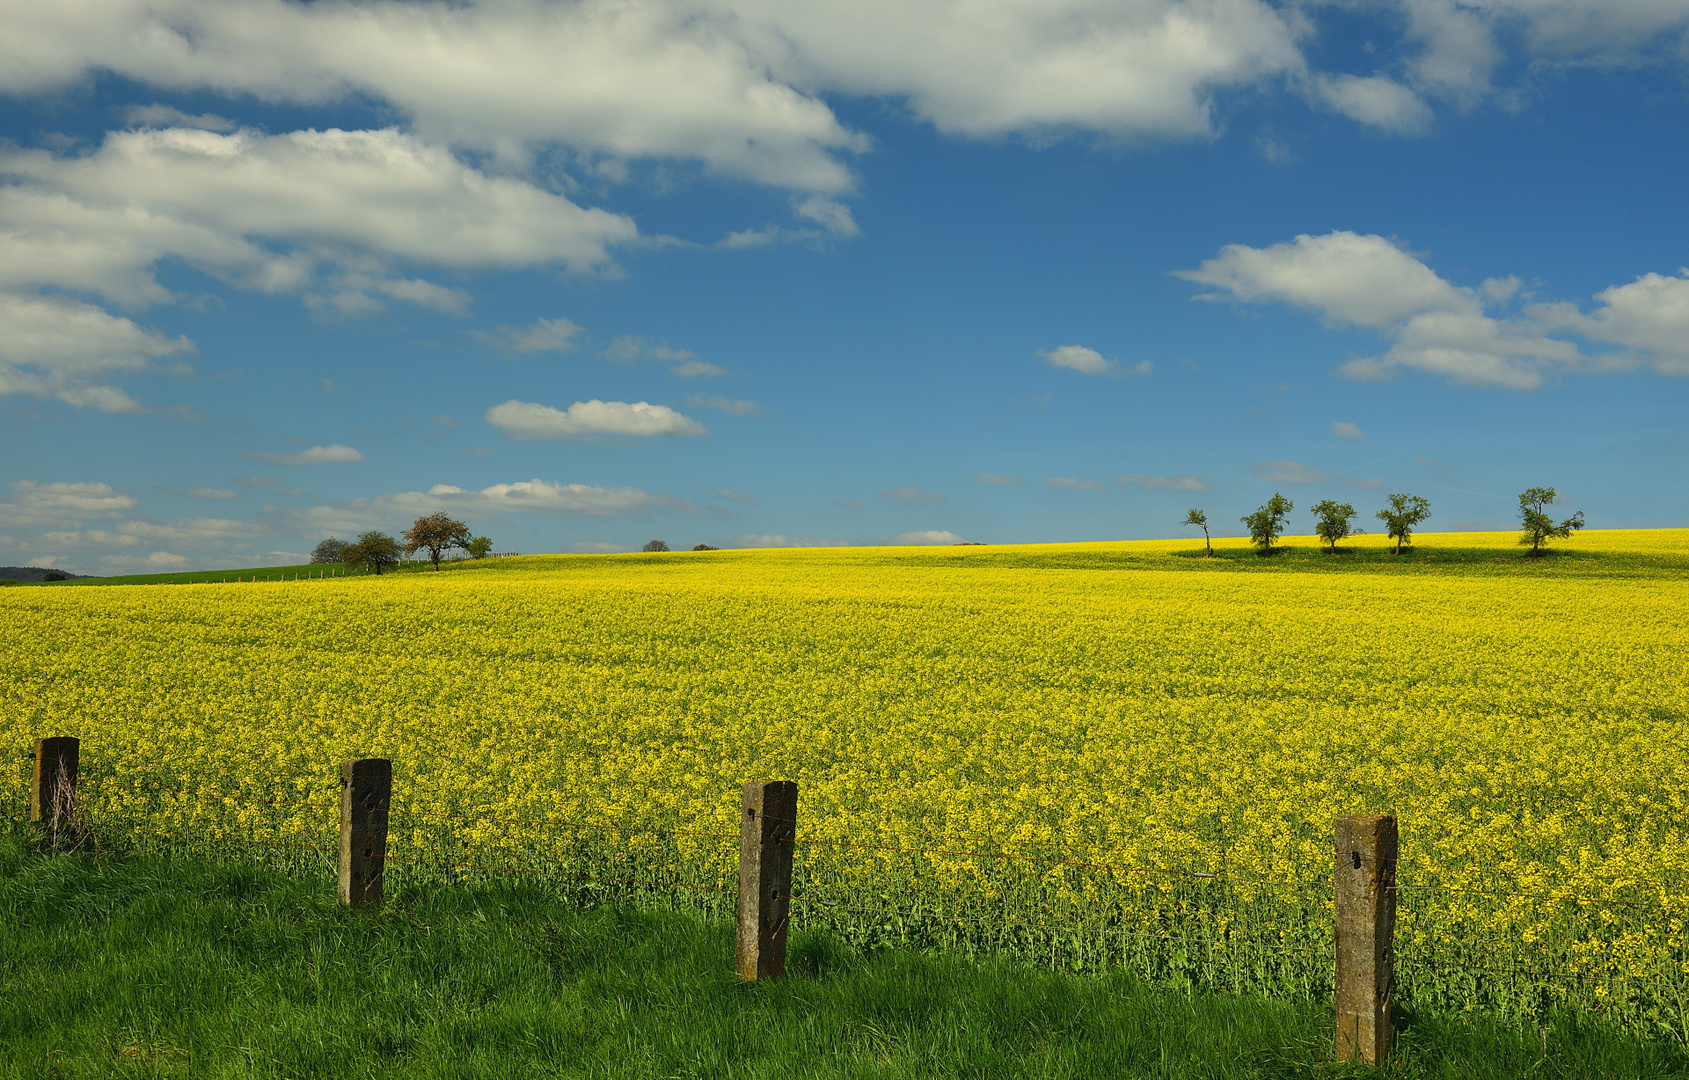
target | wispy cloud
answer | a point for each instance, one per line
(1345, 430)
(1088, 361)
(911, 495)
(993, 478)
(545, 335)
(316, 455)
(723, 404)
(1181, 482)
(926, 536)
(1073, 483)
(1288, 472)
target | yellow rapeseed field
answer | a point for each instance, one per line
(1088, 754)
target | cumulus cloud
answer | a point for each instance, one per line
(37, 504)
(735, 86)
(1375, 100)
(545, 335)
(64, 349)
(1073, 483)
(99, 222)
(1091, 362)
(586, 419)
(723, 404)
(1181, 482)
(1649, 315)
(911, 495)
(317, 455)
(1345, 430)
(925, 536)
(1369, 281)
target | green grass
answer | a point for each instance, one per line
(200, 577)
(167, 966)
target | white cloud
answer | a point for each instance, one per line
(585, 419)
(780, 540)
(1369, 281)
(156, 116)
(993, 478)
(209, 493)
(1073, 483)
(546, 335)
(733, 85)
(1077, 358)
(1650, 314)
(925, 536)
(100, 221)
(723, 404)
(1377, 100)
(522, 497)
(1182, 482)
(1288, 472)
(33, 503)
(316, 455)
(1345, 430)
(57, 347)
(1091, 362)
(912, 495)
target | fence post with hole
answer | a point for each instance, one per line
(768, 825)
(52, 794)
(1365, 873)
(366, 789)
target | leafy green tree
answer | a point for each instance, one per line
(372, 551)
(655, 545)
(1200, 520)
(480, 547)
(328, 551)
(1539, 527)
(436, 534)
(1266, 524)
(1334, 522)
(1402, 516)
(702, 547)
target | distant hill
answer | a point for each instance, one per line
(32, 574)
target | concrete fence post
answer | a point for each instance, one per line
(366, 789)
(1365, 873)
(768, 824)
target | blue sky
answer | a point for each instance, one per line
(591, 274)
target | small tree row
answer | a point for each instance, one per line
(374, 551)
(1402, 513)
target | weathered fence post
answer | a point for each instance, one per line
(52, 795)
(1365, 875)
(366, 788)
(768, 826)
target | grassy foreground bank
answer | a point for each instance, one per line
(172, 967)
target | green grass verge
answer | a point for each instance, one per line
(155, 966)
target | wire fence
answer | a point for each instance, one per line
(1509, 944)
